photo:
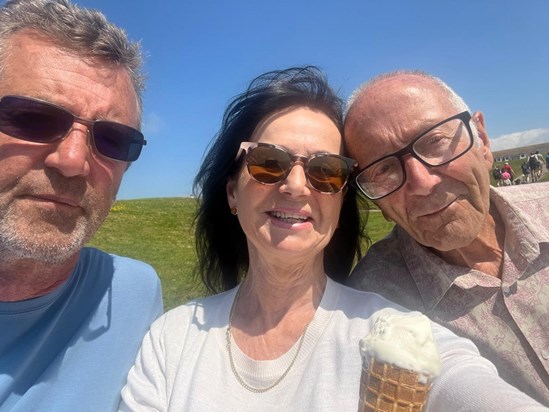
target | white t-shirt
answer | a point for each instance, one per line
(183, 364)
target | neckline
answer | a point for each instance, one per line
(260, 374)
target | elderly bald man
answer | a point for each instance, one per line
(472, 257)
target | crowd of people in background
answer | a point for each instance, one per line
(531, 168)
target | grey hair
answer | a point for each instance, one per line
(455, 100)
(85, 32)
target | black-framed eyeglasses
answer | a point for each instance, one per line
(269, 164)
(437, 146)
(37, 121)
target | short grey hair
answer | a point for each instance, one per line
(83, 31)
(456, 101)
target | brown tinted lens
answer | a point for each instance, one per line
(268, 164)
(327, 173)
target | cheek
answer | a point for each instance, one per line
(331, 208)
(11, 173)
(392, 206)
(19, 162)
(249, 196)
(105, 178)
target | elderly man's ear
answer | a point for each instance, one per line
(478, 120)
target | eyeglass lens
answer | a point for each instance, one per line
(41, 122)
(437, 147)
(269, 165)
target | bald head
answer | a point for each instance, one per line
(392, 97)
(434, 203)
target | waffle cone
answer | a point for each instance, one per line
(387, 388)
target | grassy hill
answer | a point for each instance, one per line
(161, 233)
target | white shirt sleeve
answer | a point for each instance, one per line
(468, 376)
(145, 389)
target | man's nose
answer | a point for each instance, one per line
(71, 156)
(420, 178)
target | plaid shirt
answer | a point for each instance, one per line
(507, 318)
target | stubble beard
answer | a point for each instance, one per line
(54, 242)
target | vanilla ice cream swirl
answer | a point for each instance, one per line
(403, 340)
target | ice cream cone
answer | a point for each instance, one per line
(388, 388)
(399, 361)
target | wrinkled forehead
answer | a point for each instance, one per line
(396, 108)
(33, 47)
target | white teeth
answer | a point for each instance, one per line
(289, 216)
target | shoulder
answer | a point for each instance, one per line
(124, 268)
(200, 314)
(392, 268)
(386, 250)
(384, 260)
(130, 281)
(518, 194)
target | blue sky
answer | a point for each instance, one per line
(494, 53)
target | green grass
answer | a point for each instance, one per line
(160, 232)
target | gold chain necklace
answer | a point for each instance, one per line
(233, 367)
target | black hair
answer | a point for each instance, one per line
(221, 244)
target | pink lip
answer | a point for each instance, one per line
(57, 199)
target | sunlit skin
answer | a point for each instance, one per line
(53, 197)
(286, 278)
(446, 208)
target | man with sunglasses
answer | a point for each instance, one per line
(71, 318)
(472, 257)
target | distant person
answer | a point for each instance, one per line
(472, 257)
(541, 162)
(509, 169)
(540, 158)
(525, 166)
(277, 229)
(506, 178)
(496, 173)
(71, 318)
(536, 164)
(547, 161)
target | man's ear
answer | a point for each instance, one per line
(478, 120)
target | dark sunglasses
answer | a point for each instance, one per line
(269, 164)
(38, 121)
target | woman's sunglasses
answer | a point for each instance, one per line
(37, 121)
(269, 164)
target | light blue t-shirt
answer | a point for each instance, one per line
(71, 350)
